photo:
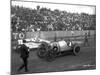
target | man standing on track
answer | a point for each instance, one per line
(86, 40)
(24, 54)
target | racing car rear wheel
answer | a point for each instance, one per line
(76, 50)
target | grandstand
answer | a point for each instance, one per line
(26, 19)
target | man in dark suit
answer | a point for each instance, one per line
(86, 40)
(24, 54)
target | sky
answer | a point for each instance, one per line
(63, 7)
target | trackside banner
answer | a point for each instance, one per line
(16, 36)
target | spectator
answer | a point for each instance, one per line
(42, 17)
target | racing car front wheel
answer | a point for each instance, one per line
(50, 56)
(41, 53)
(76, 50)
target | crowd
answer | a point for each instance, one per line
(44, 19)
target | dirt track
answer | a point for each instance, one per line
(85, 60)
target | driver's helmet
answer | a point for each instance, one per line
(69, 42)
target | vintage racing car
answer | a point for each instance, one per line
(54, 49)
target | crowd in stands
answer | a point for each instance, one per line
(45, 19)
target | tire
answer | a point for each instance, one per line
(76, 50)
(49, 56)
(41, 53)
(52, 54)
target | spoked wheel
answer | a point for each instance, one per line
(41, 53)
(42, 50)
(52, 54)
(76, 50)
(49, 56)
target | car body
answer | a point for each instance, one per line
(32, 44)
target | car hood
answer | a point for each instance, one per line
(33, 45)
